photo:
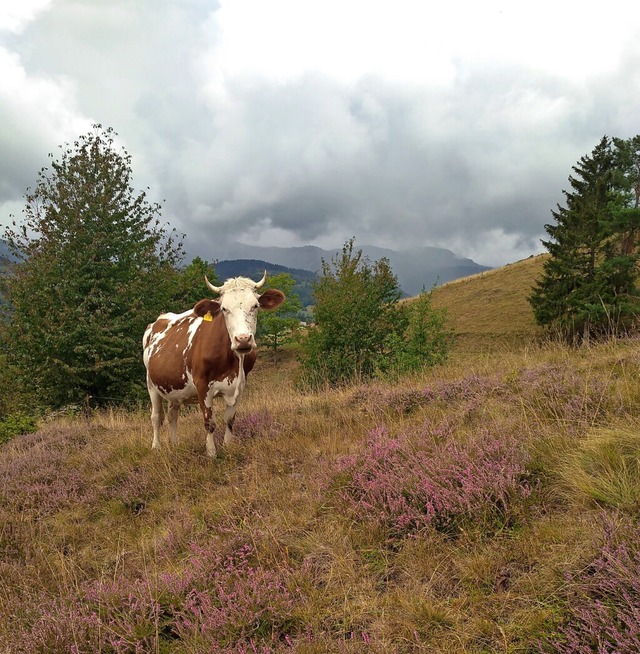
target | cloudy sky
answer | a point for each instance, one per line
(293, 122)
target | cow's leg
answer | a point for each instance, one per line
(172, 419)
(229, 419)
(157, 416)
(209, 427)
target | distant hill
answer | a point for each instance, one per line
(254, 268)
(5, 253)
(415, 268)
(490, 309)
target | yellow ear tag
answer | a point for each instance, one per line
(207, 316)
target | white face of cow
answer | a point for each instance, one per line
(239, 307)
(239, 303)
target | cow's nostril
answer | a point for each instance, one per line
(243, 341)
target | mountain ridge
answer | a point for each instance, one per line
(416, 268)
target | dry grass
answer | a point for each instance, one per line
(490, 310)
(88, 510)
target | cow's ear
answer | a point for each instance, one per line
(271, 299)
(204, 307)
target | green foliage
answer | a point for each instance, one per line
(16, 424)
(361, 329)
(17, 393)
(355, 309)
(425, 342)
(275, 328)
(93, 260)
(589, 284)
(190, 287)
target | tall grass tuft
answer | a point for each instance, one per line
(604, 470)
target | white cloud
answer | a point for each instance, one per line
(15, 15)
(37, 113)
(412, 41)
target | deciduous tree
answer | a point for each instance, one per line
(275, 328)
(425, 341)
(190, 287)
(93, 259)
(355, 309)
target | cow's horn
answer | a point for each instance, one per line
(215, 289)
(261, 282)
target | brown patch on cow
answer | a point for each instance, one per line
(167, 363)
(204, 307)
(209, 424)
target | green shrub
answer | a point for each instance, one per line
(425, 341)
(362, 330)
(16, 424)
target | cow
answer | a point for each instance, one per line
(205, 352)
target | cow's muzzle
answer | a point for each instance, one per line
(243, 343)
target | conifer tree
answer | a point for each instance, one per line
(628, 216)
(93, 261)
(589, 283)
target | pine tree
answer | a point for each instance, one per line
(93, 262)
(628, 215)
(588, 283)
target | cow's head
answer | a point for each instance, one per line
(239, 303)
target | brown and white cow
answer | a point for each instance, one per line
(205, 352)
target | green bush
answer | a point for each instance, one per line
(362, 330)
(425, 341)
(16, 424)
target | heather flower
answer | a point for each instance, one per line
(232, 601)
(218, 602)
(61, 626)
(411, 482)
(256, 424)
(604, 605)
(546, 392)
(36, 476)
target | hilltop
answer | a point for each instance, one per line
(488, 505)
(417, 268)
(491, 308)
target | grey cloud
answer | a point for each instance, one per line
(475, 166)
(310, 160)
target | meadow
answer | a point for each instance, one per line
(487, 505)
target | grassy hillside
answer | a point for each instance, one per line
(491, 309)
(489, 505)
